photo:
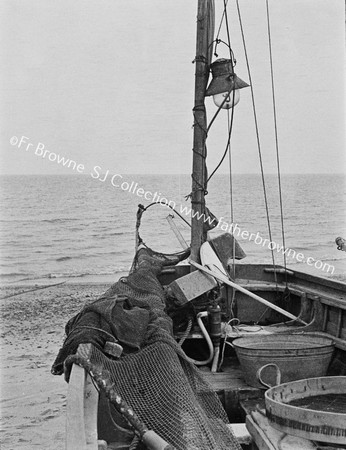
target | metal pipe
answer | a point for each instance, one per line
(207, 338)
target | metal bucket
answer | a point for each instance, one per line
(297, 356)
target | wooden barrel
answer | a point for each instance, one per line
(314, 408)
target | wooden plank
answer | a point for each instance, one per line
(319, 284)
(289, 442)
(336, 299)
(241, 433)
(269, 287)
(258, 435)
(337, 303)
(281, 271)
(91, 398)
(343, 332)
(267, 438)
(248, 405)
(81, 413)
(335, 322)
(325, 317)
(75, 427)
(229, 381)
(339, 324)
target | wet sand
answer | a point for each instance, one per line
(33, 401)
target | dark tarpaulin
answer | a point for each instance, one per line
(101, 320)
(129, 312)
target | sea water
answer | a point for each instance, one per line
(82, 227)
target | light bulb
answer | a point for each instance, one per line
(232, 99)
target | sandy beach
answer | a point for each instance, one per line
(33, 401)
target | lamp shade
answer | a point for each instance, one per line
(224, 78)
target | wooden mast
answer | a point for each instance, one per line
(205, 30)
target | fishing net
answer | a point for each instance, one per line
(166, 391)
(170, 396)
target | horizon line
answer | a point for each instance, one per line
(174, 174)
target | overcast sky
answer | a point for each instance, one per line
(110, 83)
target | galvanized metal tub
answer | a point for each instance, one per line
(297, 356)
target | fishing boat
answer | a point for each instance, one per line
(154, 362)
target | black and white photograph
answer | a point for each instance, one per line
(173, 225)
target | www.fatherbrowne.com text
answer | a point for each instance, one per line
(156, 197)
(118, 182)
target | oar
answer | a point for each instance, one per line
(210, 259)
(225, 280)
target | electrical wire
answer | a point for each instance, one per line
(228, 140)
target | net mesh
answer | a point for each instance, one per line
(166, 391)
(171, 397)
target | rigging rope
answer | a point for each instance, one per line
(276, 136)
(230, 127)
(231, 198)
(221, 21)
(257, 137)
(230, 124)
(228, 32)
(229, 120)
